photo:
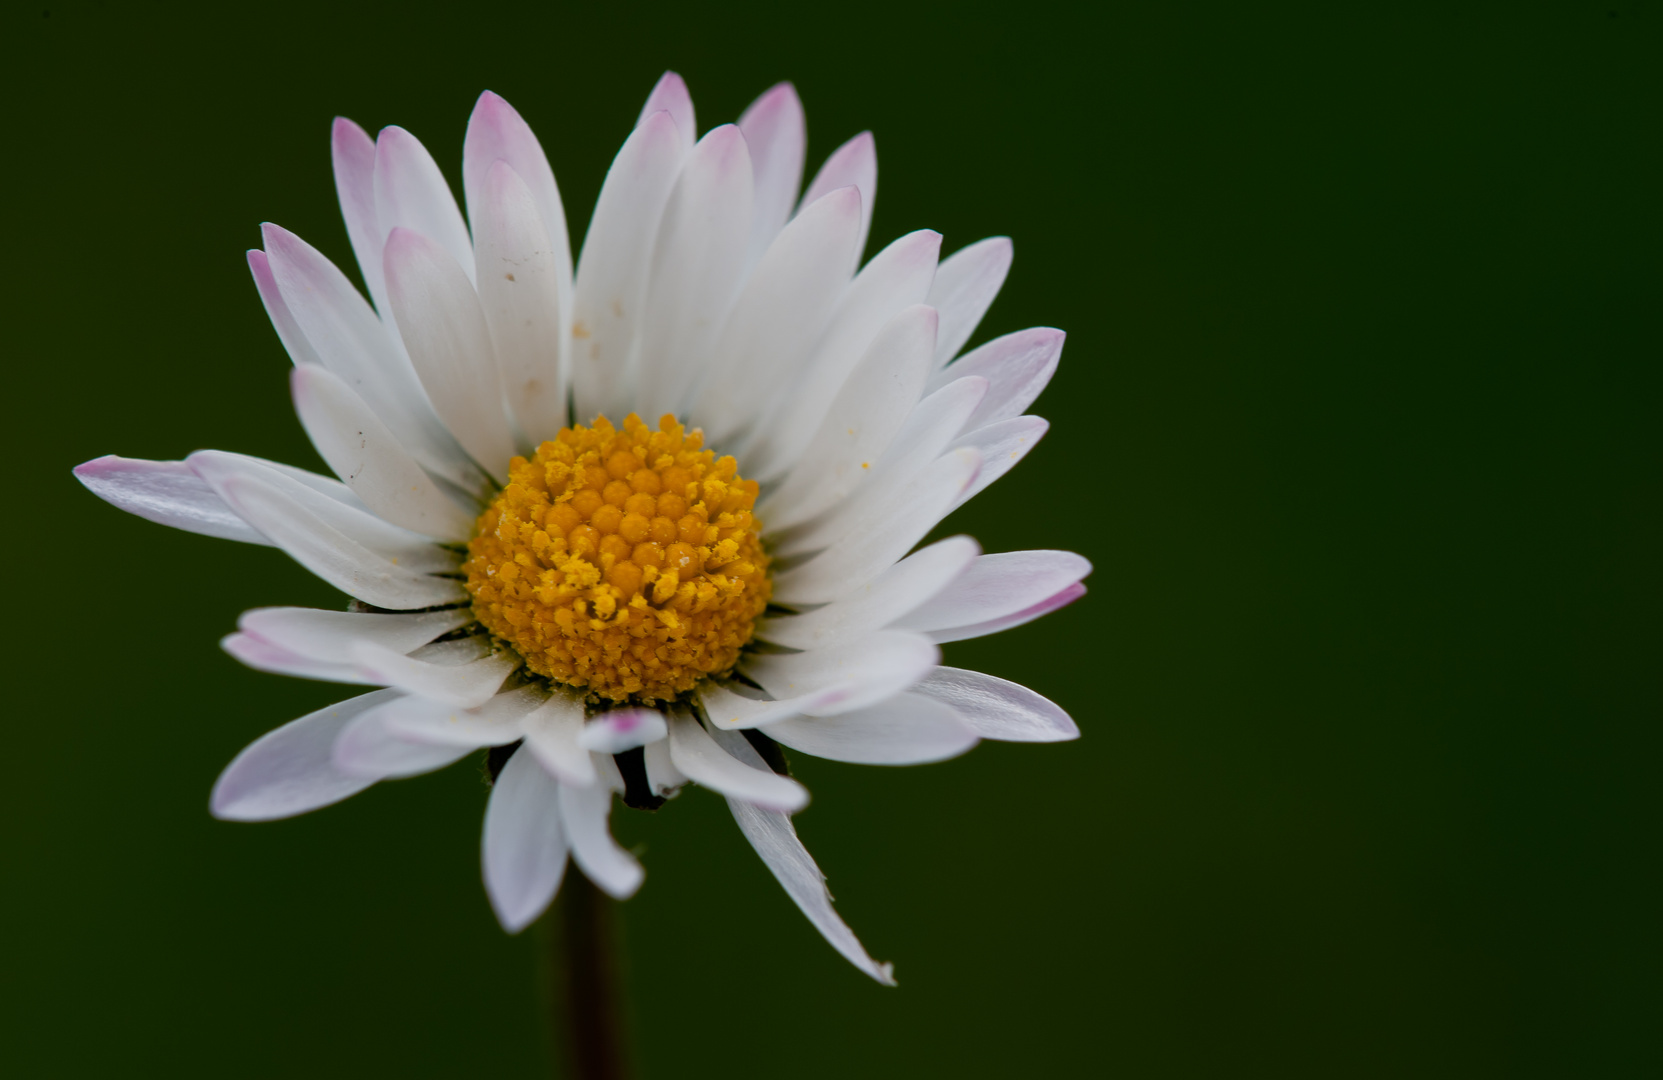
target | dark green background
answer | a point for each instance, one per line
(1358, 421)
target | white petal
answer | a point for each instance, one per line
(411, 193)
(696, 264)
(670, 96)
(868, 670)
(364, 453)
(621, 729)
(662, 775)
(552, 731)
(854, 164)
(450, 346)
(895, 526)
(726, 709)
(1016, 366)
(366, 747)
(168, 493)
(262, 655)
(775, 840)
(997, 709)
(861, 422)
(330, 554)
(897, 277)
(584, 811)
(353, 154)
(703, 761)
(524, 850)
(775, 131)
(608, 301)
(907, 729)
(965, 286)
(998, 585)
(779, 315)
(1061, 599)
(889, 597)
(1000, 446)
(461, 684)
(521, 294)
(330, 635)
(498, 722)
(290, 771)
(282, 319)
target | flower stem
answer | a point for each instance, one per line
(588, 985)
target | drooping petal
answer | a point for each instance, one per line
(907, 729)
(871, 669)
(779, 315)
(854, 164)
(898, 524)
(702, 760)
(1060, 599)
(524, 849)
(696, 264)
(366, 747)
(608, 303)
(277, 310)
(466, 685)
(1017, 367)
(522, 295)
(662, 775)
(618, 730)
(964, 288)
(1000, 447)
(775, 840)
(995, 586)
(670, 96)
(552, 731)
(330, 635)
(353, 154)
(775, 131)
(263, 655)
(998, 709)
(364, 453)
(411, 193)
(889, 599)
(450, 346)
(498, 722)
(168, 493)
(584, 811)
(290, 770)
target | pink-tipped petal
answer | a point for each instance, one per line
(996, 586)
(1061, 599)
(352, 152)
(1001, 446)
(411, 193)
(998, 709)
(291, 770)
(777, 135)
(282, 319)
(1017, 367)
(168, 493)
(619, 730)
(855, 164)
(964, 288)
(670, 96)
(524, 849)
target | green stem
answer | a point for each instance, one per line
(588, 983)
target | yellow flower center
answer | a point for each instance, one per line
(626, 562)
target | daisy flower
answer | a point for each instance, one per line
(636, 525)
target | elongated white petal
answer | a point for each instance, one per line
(524, 850)
(521, 293)
(618, 730)
(854, 164)
(662, 775)
(897, 277)
(450, 346)
(898, 524)
(907, 729)
(330, 554)
(330, 635)
(291, 770)
(584, 811)
(775, 131)
(696, 264)
(703, 761)
(411, 193)
(351, 341)
(775, 840)
(998, 585)
(1000, 446)
(998, 709)
(869, 669)
(168, 493)
(353, 153)
(263, 655)
(1060, 599)
(498, 722)
(888, 599)
(608, 302)
(670, 96)
(364, 453)
(964, 288)
(552, 732)
(366, 747)
(779, 315)
(861, 422)
(497, 133)
(282, 319)
(1016, 366)
(465, 685)
(731, 711)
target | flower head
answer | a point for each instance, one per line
(635, 527)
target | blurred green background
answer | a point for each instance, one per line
(1358, 421)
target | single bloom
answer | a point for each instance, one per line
(632, 525)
